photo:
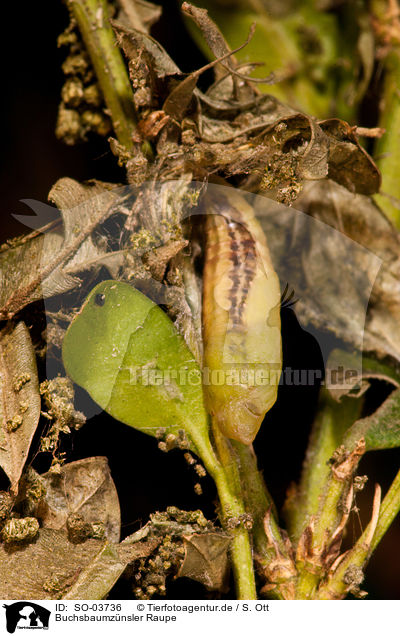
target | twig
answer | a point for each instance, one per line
(372, 133)
(230, 494)
(387, 149)
(332, 420)
(321, 539)
(272, 552)
(389, 510)
(348, 570)
(94, 25)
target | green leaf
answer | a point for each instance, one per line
(127, 354)
(381, 429)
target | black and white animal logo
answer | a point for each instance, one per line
(26, 615)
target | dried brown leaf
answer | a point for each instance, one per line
(210, 31)
(158, 258)
(139, 14)
(45, 568)
(206, 559)
(19, 400)
(84, 487)
(160, 210)
(46, 265)
(52, 567)
(136, 44)
(180, 97)
(349, 164)
(100, 574)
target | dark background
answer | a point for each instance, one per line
(147, 480)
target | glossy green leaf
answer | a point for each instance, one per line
(127, 354)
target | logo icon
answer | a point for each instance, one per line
(26, 615)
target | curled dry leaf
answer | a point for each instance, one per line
(52, 567)
(98, 577)
(182, 94)
(206, 559)
(46, 263)
(84, 487)
(219, 47)
(349, 164)
(139, 14)
(100, 574)
(158, 258)
(132, 41)
(211, 33)
(149, 65)
(268, 112)
(19, 400)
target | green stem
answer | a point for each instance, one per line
(97, 34)
(311, 573)
(348, 574)
(323, 489)
(387, 148)
(260, 505)
(338, 585)
(241, 554)
(331, 422)
(225, 475)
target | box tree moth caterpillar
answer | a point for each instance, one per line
(241, 317)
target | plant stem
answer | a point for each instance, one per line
(331, 422)
(241, 553)
(312, 572)
(329, 504)
(225, 474)
(387, 149)
(272, 552)
(97, 34)
(389, 509)
(348, 574)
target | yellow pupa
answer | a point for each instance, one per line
(241, 317)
